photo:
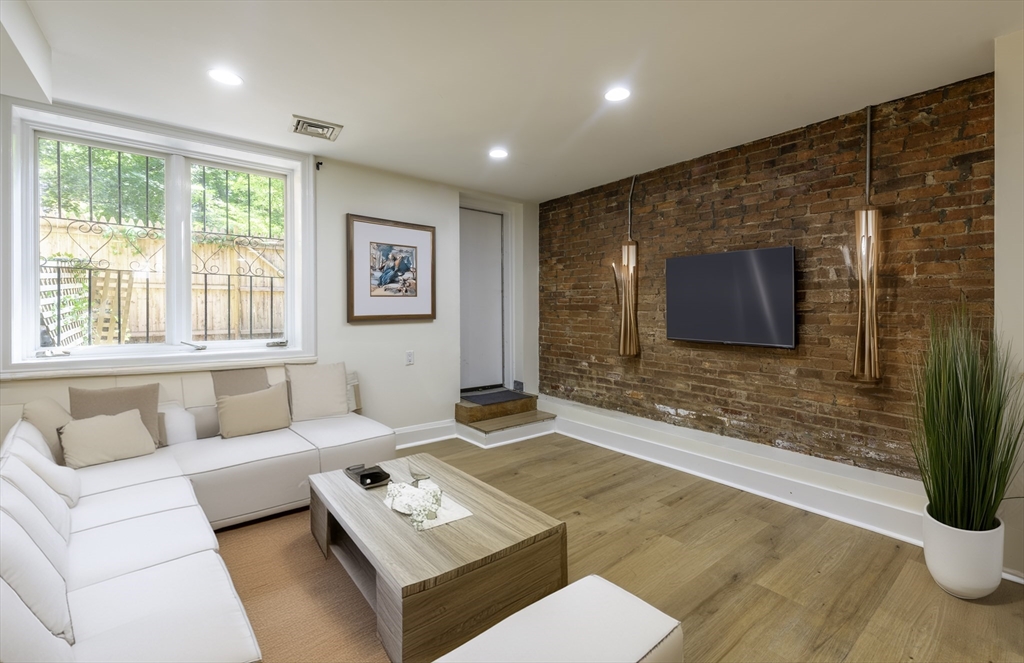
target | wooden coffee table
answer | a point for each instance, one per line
(435, 589)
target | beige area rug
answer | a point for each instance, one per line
(302, 607)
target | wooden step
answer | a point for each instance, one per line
(510, 421)
(467, 412)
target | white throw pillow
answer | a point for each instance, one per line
(39, 493)
(63, 480)
(25, 568)
(105, 438)
(25, 637)
(317, 390)
(177, 424)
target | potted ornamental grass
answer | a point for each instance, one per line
(967, 439)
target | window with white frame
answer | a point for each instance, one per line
(130, 246)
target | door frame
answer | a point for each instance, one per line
(510, 219)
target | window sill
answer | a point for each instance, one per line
(172, 361)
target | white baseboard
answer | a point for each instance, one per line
(434, 431)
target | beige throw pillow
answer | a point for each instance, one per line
(105, 438)
(257, 412)
(87, 403)
(317, 390)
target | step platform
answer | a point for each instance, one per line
(502, 422)
(467, 412)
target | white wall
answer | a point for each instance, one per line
(1009, 244)
(399, 395)
(393, 393)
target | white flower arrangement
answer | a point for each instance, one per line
(420, 504)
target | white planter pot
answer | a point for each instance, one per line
(967, 564)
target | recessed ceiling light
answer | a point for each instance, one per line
(616, 94)
(224, 76)
(498, 153)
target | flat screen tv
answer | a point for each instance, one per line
(737, 297)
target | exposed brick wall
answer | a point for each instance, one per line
(932, 178)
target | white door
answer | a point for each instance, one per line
(480, 269)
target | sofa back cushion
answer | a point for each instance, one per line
(33, 578)
(105, 438)
(30, 435)
(237, 381)
(45, 499)
(47, 416)
(88, 403)
(177, 425)
(316, 391)
(62, 480)
(25, 637)
(35, 525)
(355, 400)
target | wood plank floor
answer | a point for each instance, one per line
(749, 578)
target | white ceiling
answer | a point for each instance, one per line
(426, 88)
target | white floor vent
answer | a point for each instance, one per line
(315, 128)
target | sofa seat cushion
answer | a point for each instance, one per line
(109, 551)
(131, 502)
(243, 477)
(590, 620)
(347, 440)
(129, 472)
(184, 610)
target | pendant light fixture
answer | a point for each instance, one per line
(865, 362)
(626, 287)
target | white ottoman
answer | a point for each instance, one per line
(591, 620)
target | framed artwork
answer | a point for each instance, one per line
(390, 270)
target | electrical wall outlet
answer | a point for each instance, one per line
(410, 357)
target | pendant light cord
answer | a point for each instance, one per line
(629, 207)
(867, 165)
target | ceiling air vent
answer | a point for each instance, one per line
(315, 128)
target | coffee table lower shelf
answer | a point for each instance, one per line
(418, 623)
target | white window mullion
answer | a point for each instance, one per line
(178, 201)
(21, 249)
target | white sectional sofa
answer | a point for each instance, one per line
(132, 570)
(242, 478)
(130, 573)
